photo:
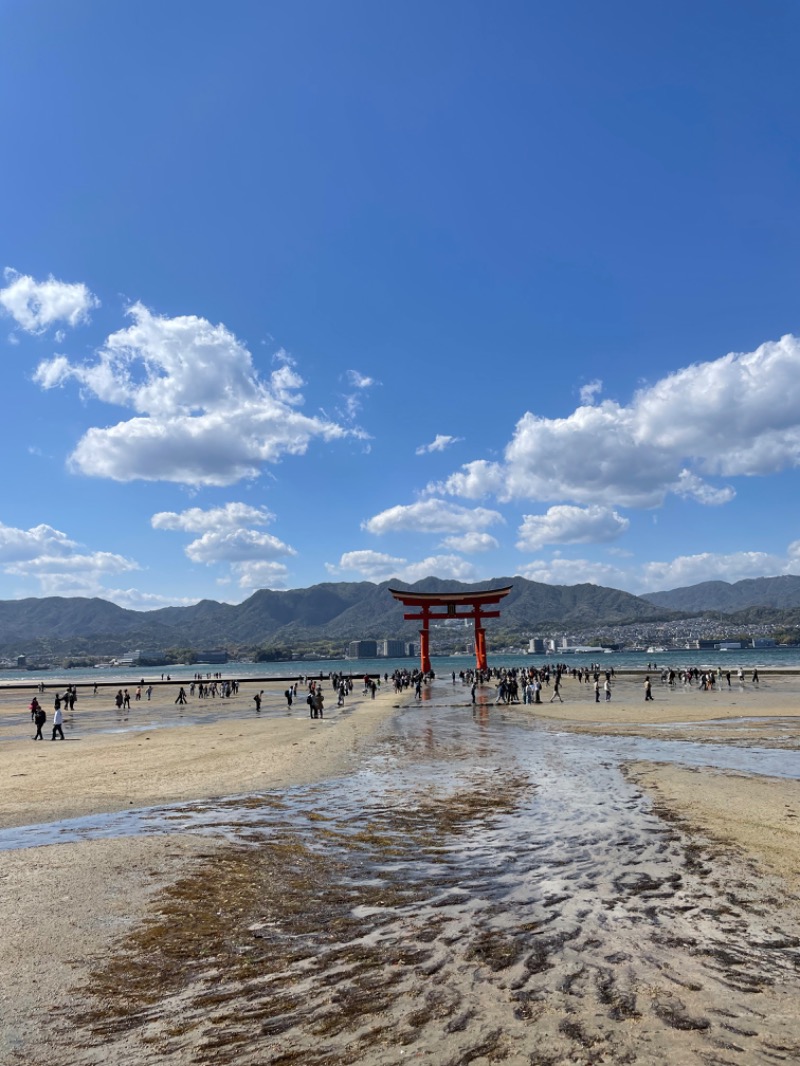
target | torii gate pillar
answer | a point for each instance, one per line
(460, 605)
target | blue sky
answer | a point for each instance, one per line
(300, 292)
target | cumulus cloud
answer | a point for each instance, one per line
(708, 566)
(570, 525)
(56, 561)
(560, 571)
(254, 574)
(202, 415)
(227, 536)
(470, 543)
(438, 444)
(196, 520)
(235, 546)
(447, 567)
(377, 566)
(36, 305)
(589, 391)
(431, 516)
(693, 487)
(737, 416)
(657, 576)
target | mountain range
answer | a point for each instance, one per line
(781, 593)
(342, 611)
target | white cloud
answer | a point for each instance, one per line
(589, 391)
(57, 562)
(679, 572)
(202, 415)
(708, 566)
(447, 567)
(136, 600)
(235, 546)
(376, 566)
(470, 543)
(196, 520)
(19, 545)
(285, 381)
(570, 525)
(360, 381)
(74, 563)
(431, 516)
(438, 444)
(226, 538)
(732, 417)
(693, 487)
(354, 401)
(560, 571)
(36, 305)
(255, 574)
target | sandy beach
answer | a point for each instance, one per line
(67, 907)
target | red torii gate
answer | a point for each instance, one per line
(449, 604)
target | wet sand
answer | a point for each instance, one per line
(158, 752)
(717, 857)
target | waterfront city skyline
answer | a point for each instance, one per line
(301, 293)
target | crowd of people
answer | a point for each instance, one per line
(525, 685)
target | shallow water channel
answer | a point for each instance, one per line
(484, 889)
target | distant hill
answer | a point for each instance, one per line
(780, 593)
(339, 611)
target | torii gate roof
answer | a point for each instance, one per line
(432, 599)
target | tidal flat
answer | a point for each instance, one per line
(441, 882)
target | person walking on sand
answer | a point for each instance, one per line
(597, 690)
(257, 701)
(39, 718)
(181, 697)
(316, 704)
(648, 689)
(607, 689)
(556, 688)
(58, 720)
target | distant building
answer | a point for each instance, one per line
(362, 649)
(391, 649)
(22, 662)
(763, 642)
(130, 659)
(536, 646)
(219, 656)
